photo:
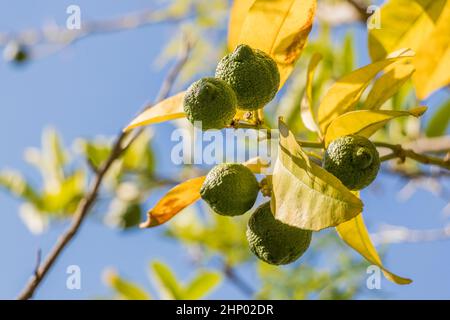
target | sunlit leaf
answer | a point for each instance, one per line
(345, 93)
(173, 202)
(238, 13)
(387, 85)
(304, 194)
(365, 122)
(279, 28)
(421, 25)
(168, 109)
(354, 233)
(168, 284)
(439, 122)
(306, 108)
(125, 289)
(433, 58)
(201, 285)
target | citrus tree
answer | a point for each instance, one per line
(330, 129)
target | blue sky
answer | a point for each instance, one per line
(93, 88)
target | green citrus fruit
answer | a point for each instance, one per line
(354, 160)
(252, 74)
(273, 241)
(230, 189)
(210, 103)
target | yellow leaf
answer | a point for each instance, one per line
(345, 93)
(279, 28)
(387, 85)
(305, 195)
(421, 25)
(238, 12)
(433, 59)
(365, 122)
(354, 233)
(173, 202)
(306, 107)
(168, 109)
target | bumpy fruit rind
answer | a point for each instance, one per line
(252, 74)
(211, 103)
(230, 189)
(354, 160)
(273, 241)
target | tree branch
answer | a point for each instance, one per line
(88, 201)
(399, 152)
(243, 286)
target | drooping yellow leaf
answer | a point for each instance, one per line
(365, 122)
(421, 25)
(387, 85)
(305, 195)
(173, 202)
(238, 13)
(345, 93)
(306, 107)
(168, 109)
(279, 28)
(354, 233)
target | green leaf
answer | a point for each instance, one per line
(125, 289)
(166, 281)
(438, 124)
(304, 194)
(16, 184)
(201, 285)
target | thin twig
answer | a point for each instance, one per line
(399, 152)
(243, 286)
(88, 201)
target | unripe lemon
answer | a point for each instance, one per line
(230, 189)
(273, 241)
(252, 74)
(210, 102)
(354, 160)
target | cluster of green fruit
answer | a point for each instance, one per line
(248, 79)
(232, 190)
(245, 79)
